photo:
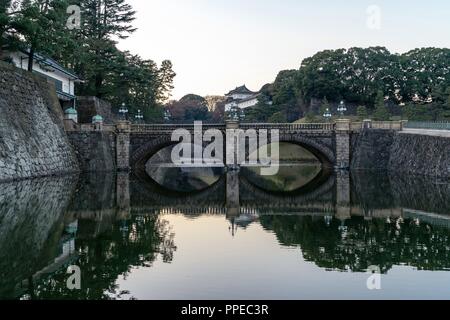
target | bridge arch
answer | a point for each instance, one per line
(144, 153)
(318, 148)
(322, 151)
(319, 187)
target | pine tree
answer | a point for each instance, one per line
(166, 76)
(4, 21)
(381, 112)
(91, 52)
(103, 20)
(362, 112)
(445, 114)
(39, 22)
(9, 13)
(324, 106)
(310, 117)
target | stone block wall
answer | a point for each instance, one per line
(342, 150)
(32, 138)
(371, 149)
(400, 152)
(343, 144)
(95, 150)
(421, 154)
(123, 146)
(88, 107)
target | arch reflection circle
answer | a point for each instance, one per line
(299, 169)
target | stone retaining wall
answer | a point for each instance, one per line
(32, 138)
(395, 151)
(95, 150)
(88, 107)
(371, 149)
(421, 154)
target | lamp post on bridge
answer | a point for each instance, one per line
(123, 111)
(342, 108)
(327, 115)
(139, 117)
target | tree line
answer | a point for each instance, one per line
(89, 49)
(372, 82)
(193, 107)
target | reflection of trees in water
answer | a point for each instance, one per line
(32, 224)
(361, 243)
(115, 253)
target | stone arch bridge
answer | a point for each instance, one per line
(329, 142)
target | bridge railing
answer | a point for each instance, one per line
(149, 128)
(356, 126)
(387, 125)
(439, 125)
(71, 126)
(286, 127)
(289, 126)
(382, 125)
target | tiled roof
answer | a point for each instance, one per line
(53, 64)
(240, 90)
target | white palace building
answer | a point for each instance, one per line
(241, 98)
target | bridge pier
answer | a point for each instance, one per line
(123, 145)
(232, 194)
(123, 196)
(343, 129)
(343, 200)
(231, 146)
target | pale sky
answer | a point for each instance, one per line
(216, 45)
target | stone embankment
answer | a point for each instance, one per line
(417, 152)
(32, 138)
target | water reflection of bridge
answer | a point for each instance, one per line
(234, 195)
(36, 218)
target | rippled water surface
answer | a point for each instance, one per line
(207, 234)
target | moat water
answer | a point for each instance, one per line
(207, 234)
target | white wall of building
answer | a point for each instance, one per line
(21, 61)
(240, 96)
(248, 103)
(241, 104)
